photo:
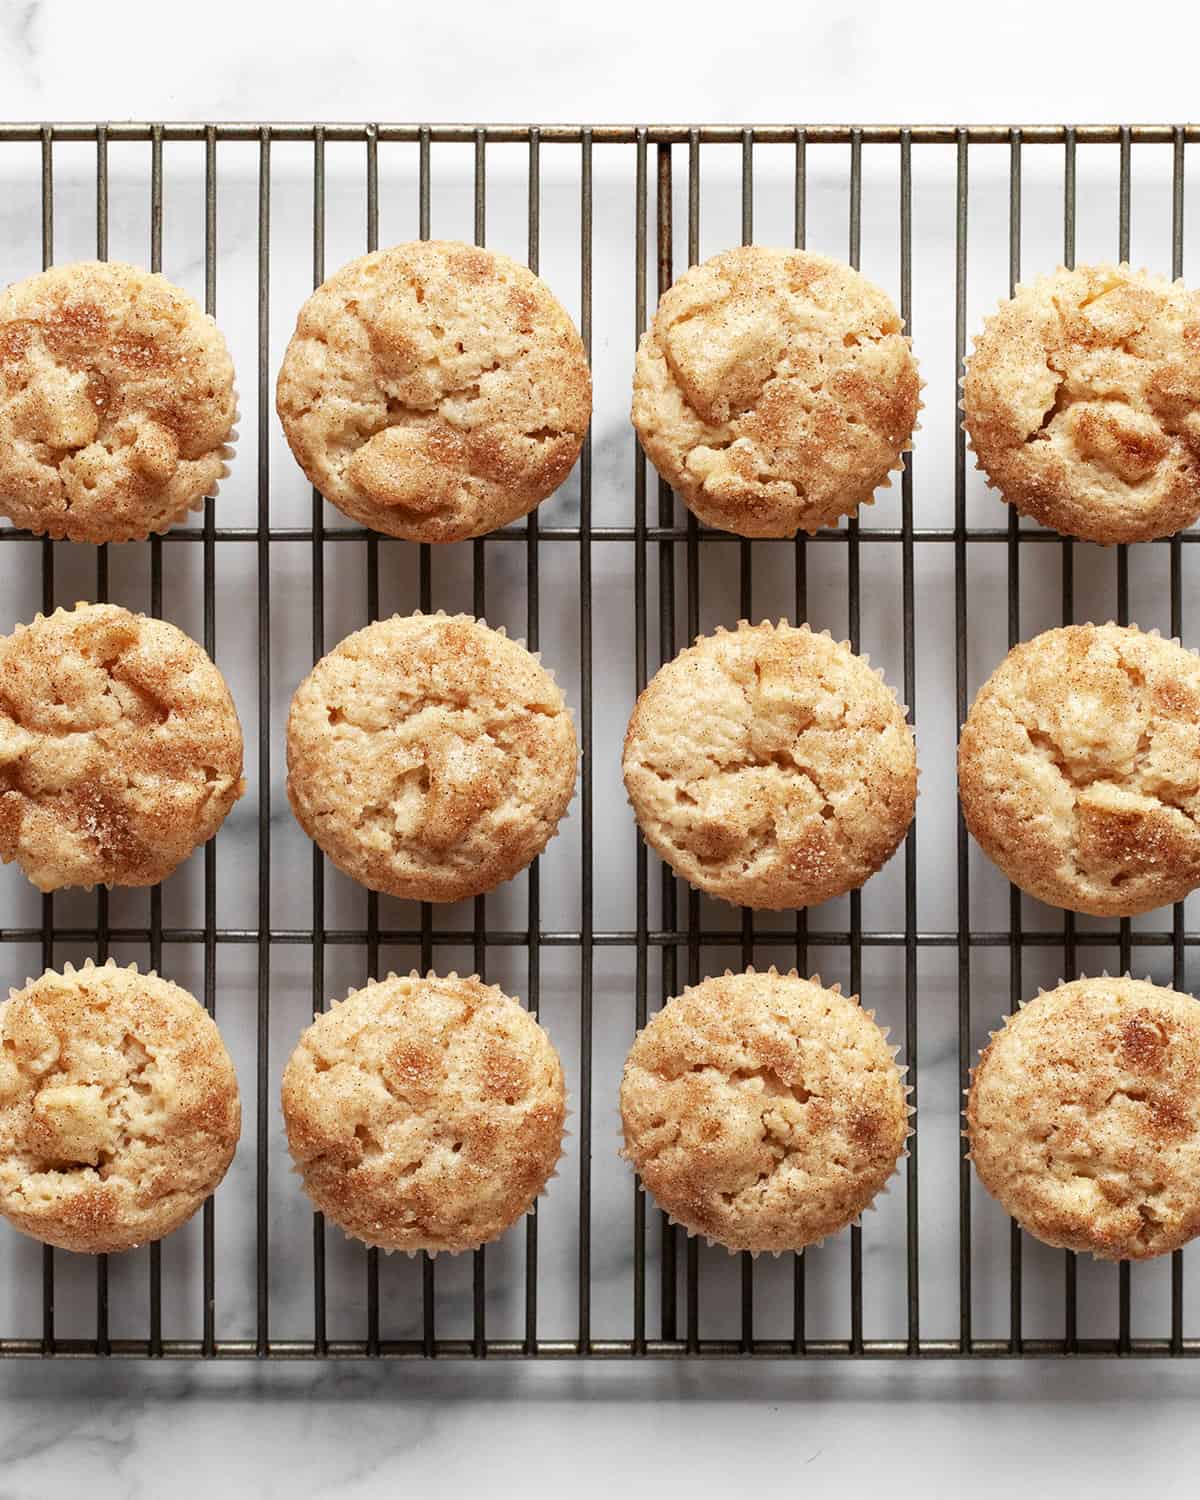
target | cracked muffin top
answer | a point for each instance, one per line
(119, 1109)
(430, 756)
(775, 390)
(762, 1110)
(770, 766)
(1084, 1118)
(116, 403)
(424, 1113)
(120, 748)
(1082, 402)
(435, 391)
(1079, 769)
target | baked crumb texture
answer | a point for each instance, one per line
(120, 748)
(1082, 403)
(117, 404)
(1084, 1118)
(119, 1109)
(430, 756)
(763, 1110)
(770, 766)
(424, 1113)
(774, 391)
(1079, 769)
(435, 391)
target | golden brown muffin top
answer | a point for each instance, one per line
(119, 1109)
(1082, 401)
(430, 756)
(774, 390)
(1079, 769)
(424, 1113)
(770, 766)
(116, 403)
(1084, 1117)
(763, 1110)
(435, 391)
(120, 748)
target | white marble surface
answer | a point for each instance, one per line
(361, 1435)
(125, 1430)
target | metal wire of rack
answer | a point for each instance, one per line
(673, 550)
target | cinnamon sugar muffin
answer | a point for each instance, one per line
(119, 1109)
(430, 757)
(763, 1110)
(116, 403)
(1084, 1118)
(770, 766)
(435, 391)
(424, 1113)
(775, 391)
(120, 748)
(1082, 402)
(1079, 769)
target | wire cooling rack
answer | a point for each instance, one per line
(595, 1271)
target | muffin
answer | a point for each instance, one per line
(1084, 1119)
(424, 1113)
(119, 1109)
(762, 1110)
(116, 403)
(770, 766)
(1082, 403)
(120, 748)
(430, 757)
(1079, 769)
(774, 391)
(435, 391)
